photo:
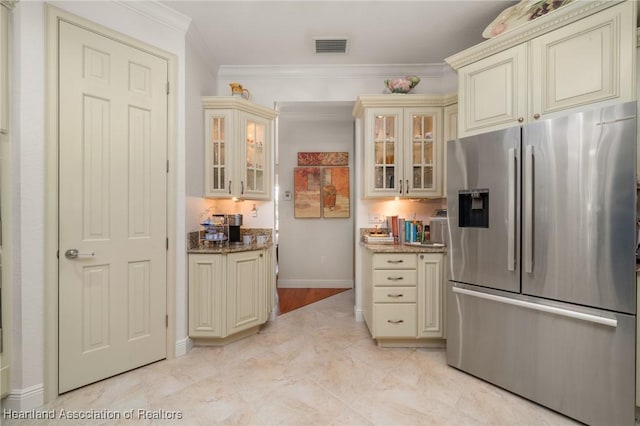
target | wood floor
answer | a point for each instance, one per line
(294, 298)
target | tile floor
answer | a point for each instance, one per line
(311, 366)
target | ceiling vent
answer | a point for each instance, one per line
(331, 45)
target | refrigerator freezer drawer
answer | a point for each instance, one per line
(574, 361)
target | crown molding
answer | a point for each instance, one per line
(552, 21)
(333, 71)
(315, 111)
(156, 11)
(239, 103)
(401, 100)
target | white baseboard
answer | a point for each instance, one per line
(183, 346)
(315, 283)
(24, 399)
(358, 314)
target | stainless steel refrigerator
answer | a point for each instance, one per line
(542, 293)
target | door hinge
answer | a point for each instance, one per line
(58, 254)
(166, 321)
(167, 166)
(1, 340)
(167, 87)
(167, 244)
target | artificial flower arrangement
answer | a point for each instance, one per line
(402, 84)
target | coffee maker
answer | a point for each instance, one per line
(234, 221)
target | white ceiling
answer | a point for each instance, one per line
(243, 33)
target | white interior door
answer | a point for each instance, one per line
(112, 207)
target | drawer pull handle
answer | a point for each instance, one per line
(395, 278)
(395, 261)
(395, 321)
(395, 295)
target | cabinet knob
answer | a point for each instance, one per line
(520, 119)
(422, 256)
(536, 116)
(261, 255)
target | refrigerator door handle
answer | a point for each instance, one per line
(538, 307)
(511, 211)
(528, 208)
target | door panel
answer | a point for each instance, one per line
(245, 290)
(484, 217)
(583, 210)
(112, 201)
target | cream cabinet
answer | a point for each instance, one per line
(402, 298)
(227, 295)
(450, 133)
(493, 92)
(588, 58)
(238, 148)
(402, 144)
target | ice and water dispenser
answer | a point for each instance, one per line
(473, 208)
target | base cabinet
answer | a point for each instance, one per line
(402, 296)
(227, 295)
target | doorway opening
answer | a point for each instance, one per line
(315, 252)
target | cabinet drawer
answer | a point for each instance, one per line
(395, 319)
(395, 294)
(399, 277)
(394, 261)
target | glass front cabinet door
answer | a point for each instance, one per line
(402, 152)
(238, 148)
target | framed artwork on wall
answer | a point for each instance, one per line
(306, 192)
(335, 192)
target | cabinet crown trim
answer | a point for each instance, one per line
(236, 102)
(402, 101)
(523, 33)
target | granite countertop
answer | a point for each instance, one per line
(229, 248)
(402, 248)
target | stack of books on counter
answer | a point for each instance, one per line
(405, 230)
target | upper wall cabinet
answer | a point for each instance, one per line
(581, 54)
(238, 148)
(402, 144)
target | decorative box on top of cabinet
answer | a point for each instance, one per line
(579, 55)
(402, 136)
(238, 148)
